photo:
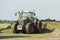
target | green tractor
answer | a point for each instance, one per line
(27, 23)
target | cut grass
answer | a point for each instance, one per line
(53, 25)
(3, 25)
(50, 25)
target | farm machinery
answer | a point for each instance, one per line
(27, 23)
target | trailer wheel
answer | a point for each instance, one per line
(39, 26)
(29, 28)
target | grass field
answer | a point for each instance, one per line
(7, 33)
(3, 25)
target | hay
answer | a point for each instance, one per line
(55, 33)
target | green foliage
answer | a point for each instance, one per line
(5, 21)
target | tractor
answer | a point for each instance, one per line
(27, 23)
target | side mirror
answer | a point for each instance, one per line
(15, 14)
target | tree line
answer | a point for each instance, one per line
(5, 21)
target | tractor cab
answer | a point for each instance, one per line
(28, 14)
(25, 14)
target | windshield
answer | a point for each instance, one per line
(32, 14)
(25, 14)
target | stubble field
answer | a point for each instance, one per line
(50, 33)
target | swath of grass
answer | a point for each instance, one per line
(50, 25)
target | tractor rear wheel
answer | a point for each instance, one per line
(29, 28)
(39, 26)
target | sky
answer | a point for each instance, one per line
(43, 8)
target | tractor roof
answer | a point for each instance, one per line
(28, 12)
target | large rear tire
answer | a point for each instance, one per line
(29, 28)
(39, 26)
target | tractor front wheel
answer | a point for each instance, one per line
(29, 28)
(15, 28)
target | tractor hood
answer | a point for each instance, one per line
(21, 21)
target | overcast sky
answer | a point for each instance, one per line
(43, 8)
